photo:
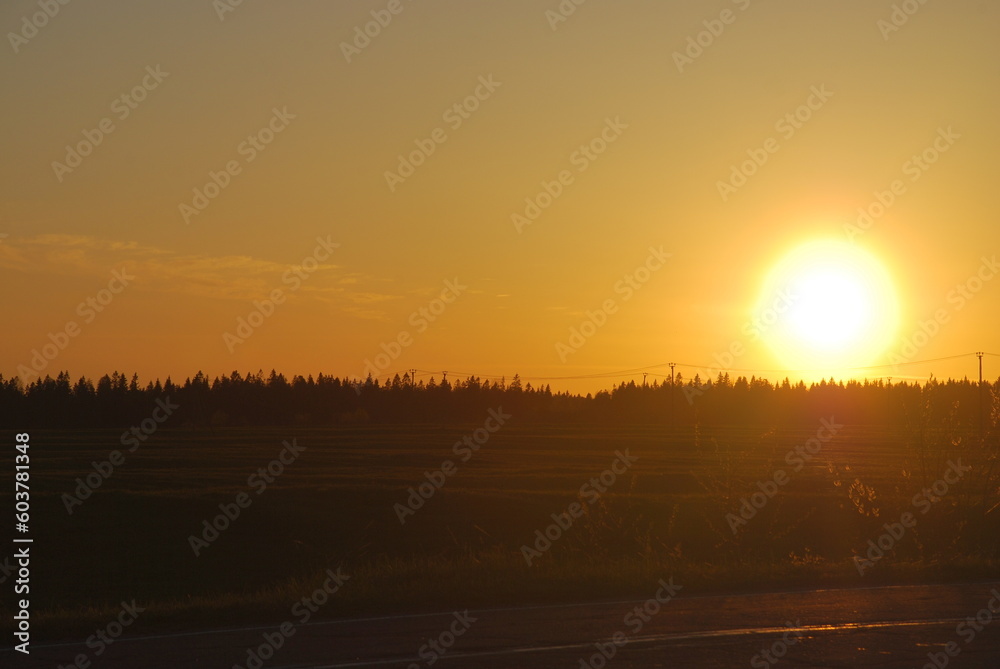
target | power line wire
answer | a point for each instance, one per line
(637, 371)
(826, 369)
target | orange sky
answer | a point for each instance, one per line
(591, 169)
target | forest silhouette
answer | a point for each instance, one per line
(259, 399)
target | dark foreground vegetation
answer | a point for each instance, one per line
(752, 487)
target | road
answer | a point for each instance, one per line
(899, 626)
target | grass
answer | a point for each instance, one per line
(333, 507)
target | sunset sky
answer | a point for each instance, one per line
(628, 136)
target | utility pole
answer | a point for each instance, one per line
(672, 365)
(413, 378)
(644, 379)
(887, 403)
(979, 354)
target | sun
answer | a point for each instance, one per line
(827, 305)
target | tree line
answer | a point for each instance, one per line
(259, 399)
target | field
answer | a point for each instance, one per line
(670, 510)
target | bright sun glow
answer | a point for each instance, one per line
(828, 305)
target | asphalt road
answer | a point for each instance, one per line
(904, 626)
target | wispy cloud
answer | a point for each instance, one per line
(236, 277)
